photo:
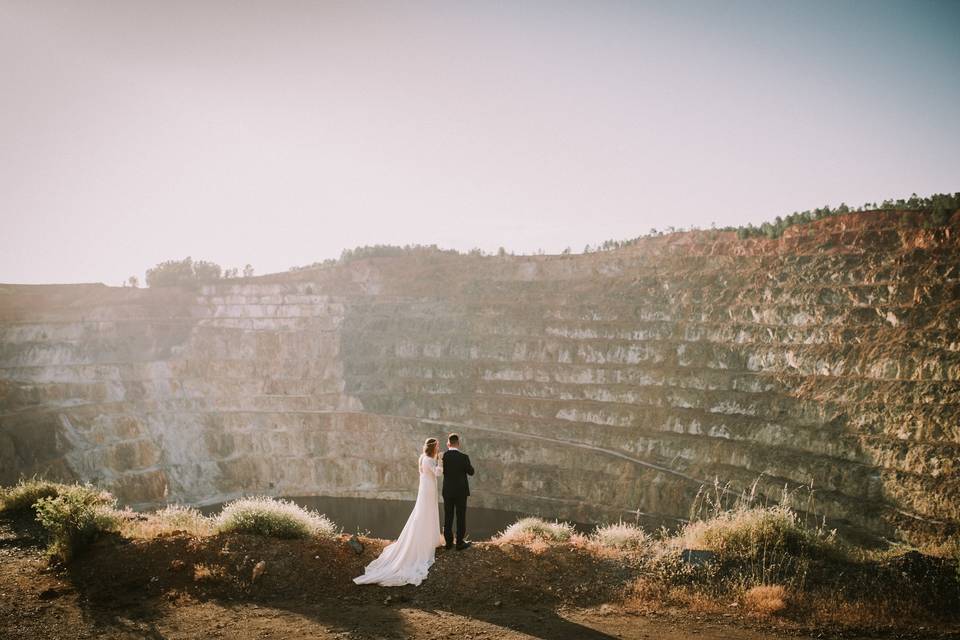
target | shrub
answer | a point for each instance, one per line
(766, 599)
(529, 529)
(75, 517)
(275, 518)
(760, 545)
(25, 494)
(621, 536)
(745, 533)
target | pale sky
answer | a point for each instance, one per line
(281, 132)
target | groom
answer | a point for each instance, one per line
(456, 468)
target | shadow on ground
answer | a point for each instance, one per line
(205, 586)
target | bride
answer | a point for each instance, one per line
(407, 560)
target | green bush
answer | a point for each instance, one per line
(24, 494)
(274, 518)
(75, 517)
(626, 537)
(529, 529)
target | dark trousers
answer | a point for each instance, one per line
(450, 505)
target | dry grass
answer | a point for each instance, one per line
(651, 594)
(535, 532)
(743, 533)
(809, 609)
(766, 599)
(760, 545)
(274, 518)
(26, 492)
(621, 537)
(167, 521)
(767, 562)
(949, 550)
(833, 610)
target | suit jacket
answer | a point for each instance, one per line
(456, 468)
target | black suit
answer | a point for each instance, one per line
(456, 468)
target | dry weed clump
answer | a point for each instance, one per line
(759, 545)
(621, 537)
(743, 547)
(273, 518)
(169, 520)
(766, 599)
(535, 532)
(745, 533)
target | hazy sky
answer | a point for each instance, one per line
(280, 132)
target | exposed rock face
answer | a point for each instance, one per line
(586, 387)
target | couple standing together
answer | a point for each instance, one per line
(408, 559)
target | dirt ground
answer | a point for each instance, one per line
(182, 587)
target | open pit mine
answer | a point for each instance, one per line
(824, 364)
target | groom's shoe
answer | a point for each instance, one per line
(464, 545)
(448, 547)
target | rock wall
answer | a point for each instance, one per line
(587, 387)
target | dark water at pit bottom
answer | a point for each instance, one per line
(385, 518)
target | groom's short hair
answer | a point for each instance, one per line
(453, 439)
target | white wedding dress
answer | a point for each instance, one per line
(407, 560)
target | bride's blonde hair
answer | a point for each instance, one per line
(430, 447)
